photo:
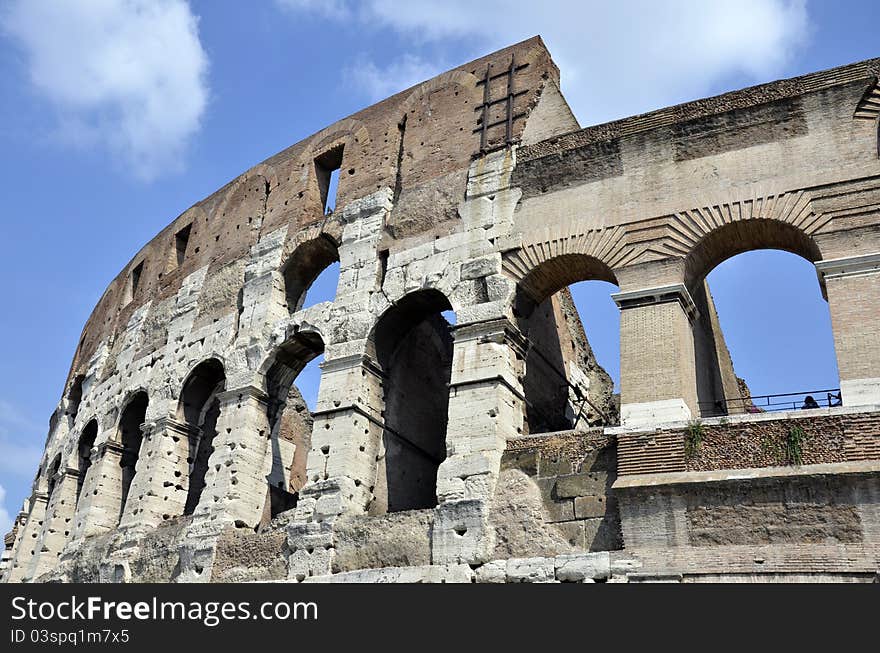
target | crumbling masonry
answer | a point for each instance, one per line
(490, 449)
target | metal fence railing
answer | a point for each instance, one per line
(771, 403)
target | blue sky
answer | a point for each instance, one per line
(116, 115)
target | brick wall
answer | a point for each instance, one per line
(759, 443)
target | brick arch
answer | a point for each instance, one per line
(336, 134)
(737, 237)
(549, 262)
(237, 190)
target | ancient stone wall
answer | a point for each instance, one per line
(182, 451)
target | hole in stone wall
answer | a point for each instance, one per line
(181, 241)
(134, 281)
(327, 172)
(383, 266)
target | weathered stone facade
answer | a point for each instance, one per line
(491, 449)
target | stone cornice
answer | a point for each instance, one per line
(850, 266)
(170, 425)
(659, 295)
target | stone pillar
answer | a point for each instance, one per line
(29, 540)
(853, 289)
(100, 501)
(486, 407)
(235, 483)
(161, 481)
(343, 463)
(657, 366)
(57, 524)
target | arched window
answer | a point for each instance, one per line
(413, 347)
(770, 345)
(52, 476)
(130, 437)
(84, 453)
(290, 416)
(74, 395)
(777, 329)
(564, 309)
(312, 269)
(199, 408)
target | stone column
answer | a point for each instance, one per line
(853, 289)
(29, 540)
(57, 524)
(657, 366)
(235, 483)
(343, 463)
(159, 488)
(486, 407)
(342, 466)
(100, 501)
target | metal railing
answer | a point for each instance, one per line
(772, 403)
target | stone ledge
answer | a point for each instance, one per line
(727, 420)
(724, 475)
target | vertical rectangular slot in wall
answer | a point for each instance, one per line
(181, 241)
(327, 172)
(383, 266)
(134, 280)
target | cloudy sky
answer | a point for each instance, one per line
(116, 115)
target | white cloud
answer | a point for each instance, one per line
(380, 83)
(5, 519)
(127, 74)
(616, 59)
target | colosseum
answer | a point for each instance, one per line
(488, 446)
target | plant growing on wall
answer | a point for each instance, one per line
(692, 438)
(787, 449)
(794, 441)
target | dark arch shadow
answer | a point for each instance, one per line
(200, 408)
(412, 345)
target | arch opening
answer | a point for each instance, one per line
(743, 236)
(130, 437)
(74, 395)
(764, 341)
(84, 453)
(311, 274)
(199, 408)
(557, 305)
(413, 347)
(52, 476)
(289, 412)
